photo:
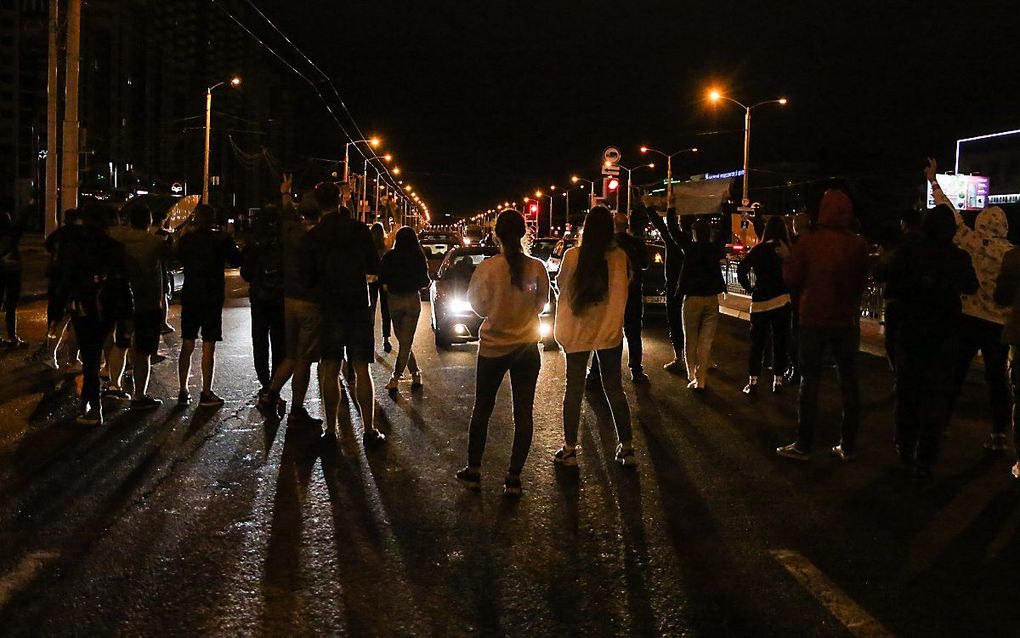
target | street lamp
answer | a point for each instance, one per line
(629, 171)
(669, 168)
(373, 142)
(234, 82)
(591, 196)
(714, 95)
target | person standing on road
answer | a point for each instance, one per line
(92, 277)
(802, 227)
(1007, 293)
(145, 256)
(379, 295)
(926, 276)
(669, 230)
(827, 271)
(56, 303)
(910, 229)
(700, 283)
(770, 302)
(11, 231)
(204, 251)
(339, 260)
(262, 267)
(403, 272)
(509, 292)
(983, 319)
(301, 315)
(592, 282)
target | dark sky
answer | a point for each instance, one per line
(485, 100)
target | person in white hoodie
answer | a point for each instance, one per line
(509, 292)
(592, 286)
(983, 319)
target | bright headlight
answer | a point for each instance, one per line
(460, 306)
(547, 307)
(544, 329)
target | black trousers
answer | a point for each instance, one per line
(380, 296)
(843, 344)
(924, 380)
(92, 333)
(633, 319)
(1014, 386)
(675, 320)
(774, 325)
(986, 336)
(523, 365)
(10, 292)
(267, 333)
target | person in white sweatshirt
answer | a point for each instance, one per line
(592, 285)
(509, 292)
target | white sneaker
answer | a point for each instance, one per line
(393, 384)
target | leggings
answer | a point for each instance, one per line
(773, 323)
(612, 384)
(378, 294)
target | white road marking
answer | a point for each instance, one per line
(23, 573)
(853, 616)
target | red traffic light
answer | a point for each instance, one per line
(611, 185)
(533, 208)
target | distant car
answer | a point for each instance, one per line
(453, 320)
(473, 235)
(552, 264)
(435, 249)
(542, 247)
(653, 282)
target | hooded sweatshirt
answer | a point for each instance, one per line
(145, 254)
(986, 245)
(827, 269)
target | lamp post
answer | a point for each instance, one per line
(629, 171)
(669, 168)
(373, 142)
(591, 196)
(234, 82)
(715, 96)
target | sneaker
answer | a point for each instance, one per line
(156, 358)
(996, 442)
(751, 387)
(210, 400)
(693, 385)
(625, 455)
(777, 384)
(146, 403)
(416, 381)
(1016, 470)
(791, 451)
(387, 346)
(471, 479)
(167, 329)
(843, 455)
(268, 404)
(676, 366)
(116, 394)
(51, 363)
(639, 377)
(565, 456)
(373, 436)
(512, 485)
(300, 416)
(183, 398)
(393, 384)
(93, 416)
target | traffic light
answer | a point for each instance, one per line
(610, 186)
(533, 209)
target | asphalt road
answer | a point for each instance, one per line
(214, 522)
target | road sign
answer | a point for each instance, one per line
(611, 155)
(613, 171)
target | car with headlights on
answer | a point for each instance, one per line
(653, 280)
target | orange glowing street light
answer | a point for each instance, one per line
(715, 95)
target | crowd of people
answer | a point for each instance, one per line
(317, 275)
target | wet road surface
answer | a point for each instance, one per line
(186, 521)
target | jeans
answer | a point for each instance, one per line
(775, 324)
(404, 310)
(701, 317)
(10, 293)
(612, 384)
(924, 377)
(674, 318)
(1014, 384)
(633, 317)
(843, 343)
(523, 365)
(978, 334)
(267, 331)
(378, 294)
(91, 332)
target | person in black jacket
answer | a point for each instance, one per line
(926, 276)
(700, 283)
(339, 260)
(92, 277)
(403, 272)
(770, 302)
(377, 292)
(11, 231)
(262, 268)
(669, 230)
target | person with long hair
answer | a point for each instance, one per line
(593, 282)
(509, 292)
(403, 272)
(701, 282)
(379, 296)
(770, 302)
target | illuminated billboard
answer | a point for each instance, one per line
(966, 192)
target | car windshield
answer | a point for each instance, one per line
(461, 267)
(541, 249)
(435, 250)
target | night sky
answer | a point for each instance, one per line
(485, 101)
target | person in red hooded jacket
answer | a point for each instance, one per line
(827, 271)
